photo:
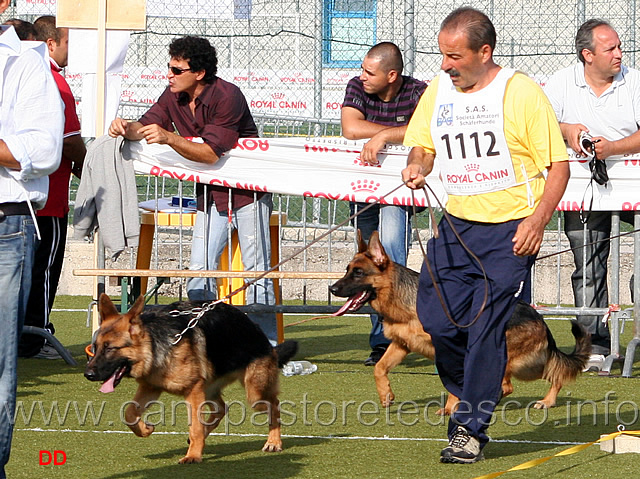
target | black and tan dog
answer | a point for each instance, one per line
(224, 346)
(392, 289)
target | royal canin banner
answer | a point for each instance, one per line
(331, 168)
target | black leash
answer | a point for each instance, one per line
(588, 244)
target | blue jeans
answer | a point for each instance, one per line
(394, 226)
(17, 247)
(252, 223)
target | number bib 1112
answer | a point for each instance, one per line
(468, 134)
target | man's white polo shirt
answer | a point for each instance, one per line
(615, 114)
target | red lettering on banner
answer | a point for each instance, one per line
(631, 162)
(294, 105)
(627, 206)
(329, 196)
(156, 171)
(251, 144)
(568, 206)
(251, 187)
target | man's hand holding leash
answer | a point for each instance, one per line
(419, 165)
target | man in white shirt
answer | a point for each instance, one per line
(599, 96)
(31, 122)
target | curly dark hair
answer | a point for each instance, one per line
(198, 53)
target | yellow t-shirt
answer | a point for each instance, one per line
(533, 138)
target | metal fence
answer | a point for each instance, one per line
(293, 58)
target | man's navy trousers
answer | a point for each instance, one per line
(471, 360)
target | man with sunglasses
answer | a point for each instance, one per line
(598, 97)
(199, 104)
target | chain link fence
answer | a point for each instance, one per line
(293, 58)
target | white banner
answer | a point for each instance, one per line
(331, 168)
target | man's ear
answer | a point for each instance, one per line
(392, 76)
(200, 75)
(587, 55)
(51, 45)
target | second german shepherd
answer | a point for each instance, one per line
(224, 346)
(392, 290)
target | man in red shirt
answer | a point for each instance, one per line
(52, 219)
(197, 103)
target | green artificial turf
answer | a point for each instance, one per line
(334, 426)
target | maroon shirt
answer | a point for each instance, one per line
(221, 117)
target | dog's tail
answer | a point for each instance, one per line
(566, 367)
(285, 351)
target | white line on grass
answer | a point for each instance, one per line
(297, 436)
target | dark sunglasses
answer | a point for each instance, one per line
(178, 71)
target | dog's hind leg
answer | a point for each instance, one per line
(195, 398)
(133, 414)
(262, 386)
(550, 399)
(393, 356)
(217, 411)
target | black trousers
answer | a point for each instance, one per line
(47, 267)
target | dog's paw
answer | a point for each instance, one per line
(272, 447)
(388, 399)
(190, 459)
(147, 430)
(142, 429)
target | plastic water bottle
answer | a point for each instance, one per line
(293, 368)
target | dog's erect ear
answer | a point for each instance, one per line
(135, 325)
(362, 245)
(106, 308)
(137, 307)
(376, 251)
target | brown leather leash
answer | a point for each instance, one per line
(447, 218)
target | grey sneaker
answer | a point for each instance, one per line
(48, 352)
(462, 449)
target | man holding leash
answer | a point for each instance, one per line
(378, 104)
(600, 97)
(199, 104)
(494, 134)
(31, 122)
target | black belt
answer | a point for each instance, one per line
(13, 209)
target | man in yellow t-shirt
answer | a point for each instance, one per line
(495, 137)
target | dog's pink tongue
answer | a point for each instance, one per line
(109, 385)
(345, 307)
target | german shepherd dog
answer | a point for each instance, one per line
(224, 346)
(392, 290)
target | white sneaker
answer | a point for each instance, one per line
(462, 449)
(48, 352)
(595, 363)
